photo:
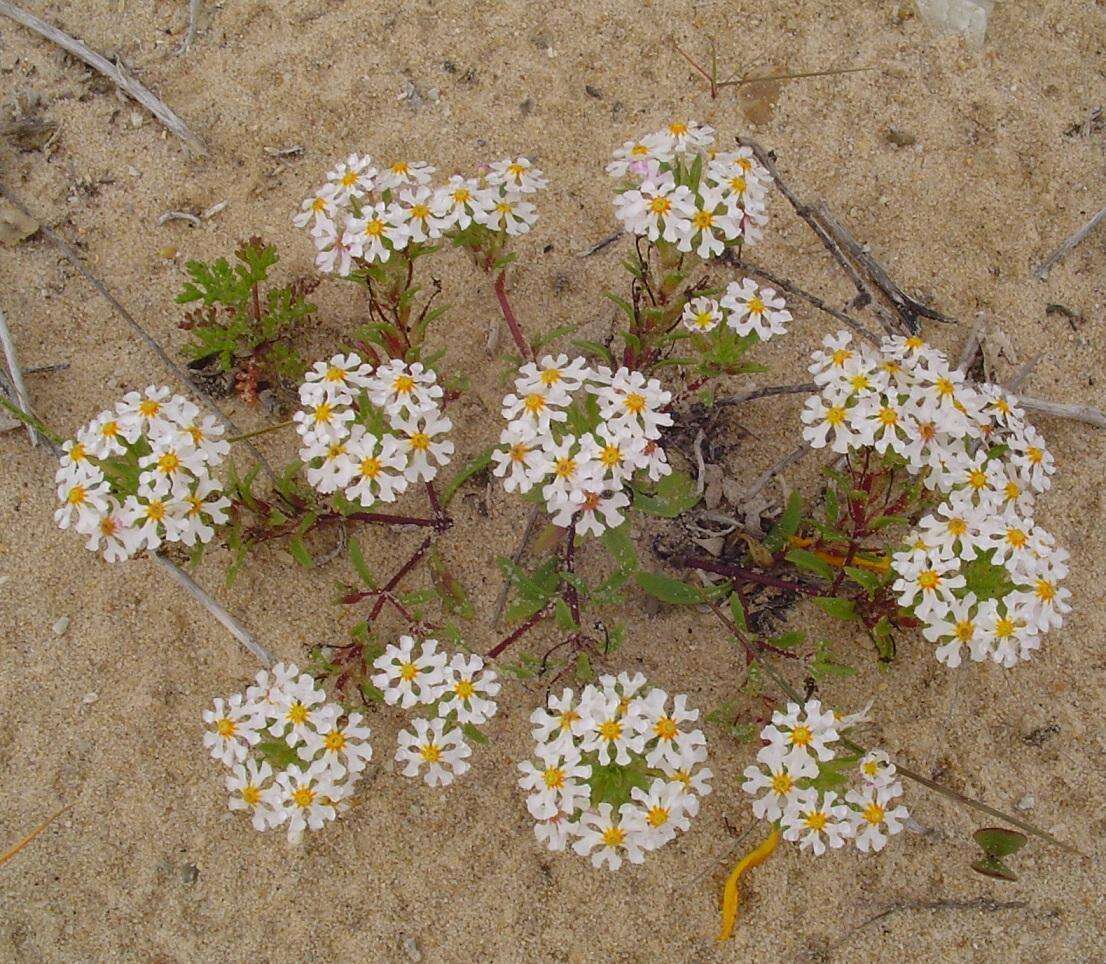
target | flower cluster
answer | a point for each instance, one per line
(458, 688)
(363, 214)
(371, 433)
(745, 307)
(795, 767)
(140, 475)
(676, 189)
(294, 758)
(615, 770)
(979, 572)
(580, 457)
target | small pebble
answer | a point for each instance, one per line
(1026, 803)
(89, 698)
(136, 118)
(189, 873)
(411, 949)
(61, 626)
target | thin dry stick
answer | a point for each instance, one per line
(785, 463)
(767, 392)
(74, 259)
(21, 843)
(94, 60)
(232, 625)
(970, 350)
(1043, 269)
(516, 558)
(193, 19)
(21, 396)
(1077, 413)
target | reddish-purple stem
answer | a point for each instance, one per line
(509, 316)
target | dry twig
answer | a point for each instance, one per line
(193, 21)
(599, 245)
(516, 558)
(1043, 269)
(21, 396)
(114, 71)
(1077, 413)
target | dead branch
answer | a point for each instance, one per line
(113, 71)
(1077, 413)
(21, 397)
(516, 558)
(1070, 242)
(766, 392)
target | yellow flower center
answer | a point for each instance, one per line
(334, 740)
(956, 527)
(801, 736)
(840, 356)
(225, 728)
(944, 387)
(1004, 627)
(815, 821)
(402, 384)
(297, 713)
(871, 768)
(420, 441)
(634, 403)
(554, 778)
(400, 167)
(109, 429)
(659, 205)
(348, 179)
(76, 495)
(835, 415)
(610, 455)
(929, 579)
(77, 452)
(782, 783)
(420, 211)
(196, 434)
(755, 305)
(665, 728)
(610, 730)
(914, 343)
(374, 227)
(251, 795)
(977, 478)
(515, 169)
(550, 376)
(370, 467)
(322, 413)
(334, 450)
(518, 452)
(408, 671)
(567, 718)
(1034, 454)
(677, 129)
(431, 753)
(108, 526)
(703, 319)
(148, 408)
(1016, 538)
(564, 467)
(613, 837)
(461, 195)
(1044, 590)
(303, 797)
(1011, 491)
(737, 184)
(319, 204)
(503, 207)
(195, 504)
(965, 630)
(701, 220)
(168, 462)
(534, 403)
(464, 689)
(155, 510)
(888, 416)
(334, 374)
(859, 381)
(657, 816)
(639, 150)
(873, 813)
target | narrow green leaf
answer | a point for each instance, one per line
(786, 525)
(837, 608)
(667, 589)
(809, 561)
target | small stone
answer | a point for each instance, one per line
(189, 873)
(526, 107)
(137, 119)
(133, 171)
(89, 698)
(900, 138)
(61, 625)
(411, 949)
(593, 92)
(169, 252)
(1026, 803)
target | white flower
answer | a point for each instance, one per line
(205, 508)
(1011, 538)
(231, 728)
(873, 819)
(609, 730)
(345, 749)
(105, 435)
(110, 530)
(1014, 637)
(957, 527)
(663, 725)
(557, 784)
(421, 444)
(778, 780)
(168, 466)
(633, 157)
(469, 690)
(609, 838)
(711, 222)
(151, 412)
(297, 709)
(829, 361)
(927, 582)
(520, 464)
(250, 789)
(554, 833)
(568, 468)
(408, 679)
(459, 200)
(688, 137)
(324, 419)
(877, 769)
(354, 178)
(1045, 602)
(425, 215)
(617, 450)
(377, 466)
(822, 416)
(266, 693)
(322, 204)
(533, 411)
(509, 212)
(631, 400)
(662, 812)
(335, 469)
(379, 232)
(429, 743)
(336, 380)
(960, 627)
(557, 376)
(755, 309)
(658, 209)
(404, 172)
(882, 422)
(701, 315)
(308, 797)
(152, 516)
(555, 725)
(84, 497)
(816, 821)
(1029, 455)
(802, 733)
(402, 389)
(593, 506)
(205, 433)
(694, 779)
(517, 175)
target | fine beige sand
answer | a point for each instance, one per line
(148, 864)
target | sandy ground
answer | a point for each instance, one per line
(148, 864)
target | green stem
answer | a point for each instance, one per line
(261, 431)
(28, 419)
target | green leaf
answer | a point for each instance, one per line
(370, 692)
(824, 665)
(786, 640)
(737, 611)
(884, 639)
(562, 616)
(667, 589)
(786, 525)
(466, 472)
(600, 351)
(999, 842)
(837, 608)
(614, 783)
(278, 754)
(993, 867)
(473, 733)
(674, 495)
(863, 578)
(298, 551)
(618, 543)
(808, 560)
(357, 560)
(985, 579)
(450, 590)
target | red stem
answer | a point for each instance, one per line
(526, 626)
(747, 575)
(509, 316)
(571, 596)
